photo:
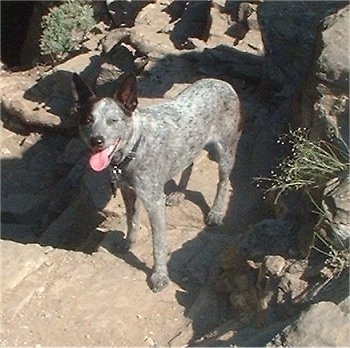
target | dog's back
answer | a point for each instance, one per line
(197, 106)
(177, 130)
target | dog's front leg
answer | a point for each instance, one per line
(132, 207)
(156, 212)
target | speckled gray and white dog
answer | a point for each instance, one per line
(164, 140)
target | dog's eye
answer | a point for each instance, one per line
(113, 120)
(87, 120)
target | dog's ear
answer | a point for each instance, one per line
(81, 92)
(127, 93)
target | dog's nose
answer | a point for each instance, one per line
(97, 142)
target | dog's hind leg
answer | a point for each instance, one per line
(175, 198)
(132, 207)
(225, 161)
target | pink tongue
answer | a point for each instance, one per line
(99, 160)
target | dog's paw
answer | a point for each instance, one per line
(214, 218)
(159, 281)
(174, 198)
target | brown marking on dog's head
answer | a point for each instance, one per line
(127, 93)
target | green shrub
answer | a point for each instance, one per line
(65, 27)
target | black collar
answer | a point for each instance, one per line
(117, 168)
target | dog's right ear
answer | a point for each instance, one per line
(81, 92)
(127, 93)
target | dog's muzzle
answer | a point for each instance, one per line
(101, 156)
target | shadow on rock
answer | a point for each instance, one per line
(195, 22)
(195, 267)
(28, 184)
(53, 97)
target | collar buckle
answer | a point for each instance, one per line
(117, 169)
(116, 177)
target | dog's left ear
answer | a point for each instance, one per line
(81, 92)
(127, 93)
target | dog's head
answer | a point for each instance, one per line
(105, 123)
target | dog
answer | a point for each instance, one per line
(145, 148)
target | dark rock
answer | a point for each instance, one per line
(66, 191)
(119, 60)
(296, 209)
(80, 208)
(23, 207)
(195, 22)
(262, 291)
(289, 31)
(23, 233)
(268, 237)
(74, 151)
(240, 14)
(30, 51)
(233, 63)
(70, 228)
(325, 99)
(175, 10)
(124, 12)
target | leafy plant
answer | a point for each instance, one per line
(309, 165)
(65, 27)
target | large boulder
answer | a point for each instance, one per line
(325, 95)
(289, 31)
(75, 227)
(44, 98)
(81, 202)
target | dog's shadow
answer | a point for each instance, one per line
(196, 197)
(116, 244)
(193, 266)
(116, 248)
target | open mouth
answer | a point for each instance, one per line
(101, 159)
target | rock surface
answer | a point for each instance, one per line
(43, 98)
(336, 205)
(325, 98)
(312, 328)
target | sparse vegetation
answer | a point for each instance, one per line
(65, 27)
(310, 164)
